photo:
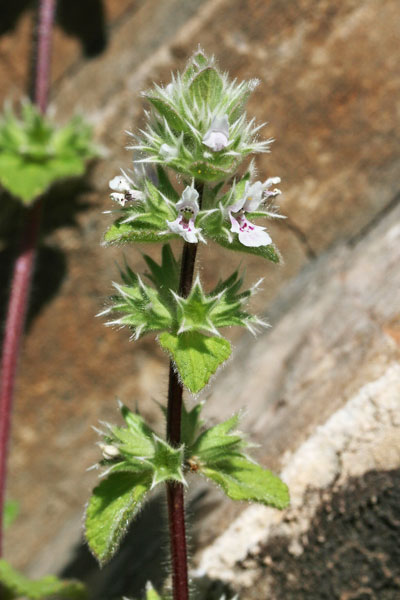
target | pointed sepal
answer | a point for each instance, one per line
(141, 307)
(167, 462)
(219, 453)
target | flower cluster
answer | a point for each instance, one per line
(197, 128)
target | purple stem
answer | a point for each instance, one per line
(175, 492)
(24, 264)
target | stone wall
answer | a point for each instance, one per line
(329, 89)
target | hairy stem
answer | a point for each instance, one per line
(175, 497)
(24, 264)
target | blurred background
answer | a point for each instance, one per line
(329, 89)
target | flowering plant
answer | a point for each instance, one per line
(196, 137)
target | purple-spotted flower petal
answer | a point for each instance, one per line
(123, 190)
(254, 194)
(217, 136)
(184, 224)
(249, 234)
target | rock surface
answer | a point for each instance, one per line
(329, 87)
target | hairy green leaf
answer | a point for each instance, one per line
(142, 308)
(166, 110)
(196, 356)
(206, 87)
(242, 479)
(268, 252)
(217, 442)
(111, 508)
(17, 585)
(134, 232)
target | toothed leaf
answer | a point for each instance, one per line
(196, 356)
(137, 231)
(268, 252)
(167, 110)
(141, 307)
(216, 443)
(242, 479)
(112, 506)
(206, 87)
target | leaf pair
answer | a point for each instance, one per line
(188, 327)
(34, 154)
(136, 460)
(146, 220)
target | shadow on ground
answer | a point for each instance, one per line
(62, 205)
(352, 549)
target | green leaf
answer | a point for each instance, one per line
(11, 510)
(142, 308)
(131, 443)
(17, 585)
(218, 453)
(167, 462)
(196, 356)
(242, 479)
(166, 110)
(134, 232)
(111, 508)
(217, 442)
(136, 423)
(206, 87)
(268, 252)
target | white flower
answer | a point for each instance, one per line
(124, 190)
(217, 136)
(249, 234)
(188, 209)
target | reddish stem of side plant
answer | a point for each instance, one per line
(175, 492)
(24, 264)
(43, 53)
